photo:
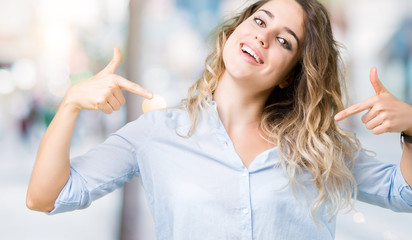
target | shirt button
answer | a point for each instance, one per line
(245, 210)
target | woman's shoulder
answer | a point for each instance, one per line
(168, 117)
(168, 114)
(153, 123)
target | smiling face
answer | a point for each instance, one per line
(266, 46)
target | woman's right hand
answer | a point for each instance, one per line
(103, 91)
(51, 170)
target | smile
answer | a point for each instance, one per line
(252, 53)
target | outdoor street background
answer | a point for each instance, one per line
(48, 45)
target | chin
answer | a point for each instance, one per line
(236, 69)
(240, 73)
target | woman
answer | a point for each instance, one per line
(253, 152)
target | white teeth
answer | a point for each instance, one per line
(252, 53)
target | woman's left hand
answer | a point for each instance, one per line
(386, 112)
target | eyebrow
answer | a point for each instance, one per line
(286, 28)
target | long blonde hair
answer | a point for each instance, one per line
(299, 118)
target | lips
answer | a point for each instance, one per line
(252, 52)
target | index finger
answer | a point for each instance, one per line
(354, 109)
(133, 88)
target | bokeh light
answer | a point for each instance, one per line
(7, 84)
(24, 74)
(58, 79)
(358, 217)
(157, 102)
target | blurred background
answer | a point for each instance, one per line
(48, 45)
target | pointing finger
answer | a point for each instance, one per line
(134, 88)
(356, 108)
(114, 63)
(377, 85)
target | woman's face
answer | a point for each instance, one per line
(266, 46)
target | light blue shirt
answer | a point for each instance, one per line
(198, 187)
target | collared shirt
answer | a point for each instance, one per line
(198, 188)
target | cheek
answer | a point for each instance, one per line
(281, 63)
(232, 45)
(278, 70)
(229, 52)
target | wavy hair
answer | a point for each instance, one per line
(298, 118)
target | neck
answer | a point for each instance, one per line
(238, 106)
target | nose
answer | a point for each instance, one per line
(262, 40)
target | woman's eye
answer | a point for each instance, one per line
(284, 43)
(260, 22)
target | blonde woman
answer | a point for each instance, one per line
(254, 152)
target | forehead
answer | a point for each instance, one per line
(289, 14)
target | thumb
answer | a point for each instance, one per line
(377, 85)
(114, 63)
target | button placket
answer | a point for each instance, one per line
(245, 208)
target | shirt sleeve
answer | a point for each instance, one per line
(381, 184)
(105, 167)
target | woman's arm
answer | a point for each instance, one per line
(386, 114)
(52, 166)
(406, 160)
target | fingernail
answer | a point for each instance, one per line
(149, 95)
(338, 117)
